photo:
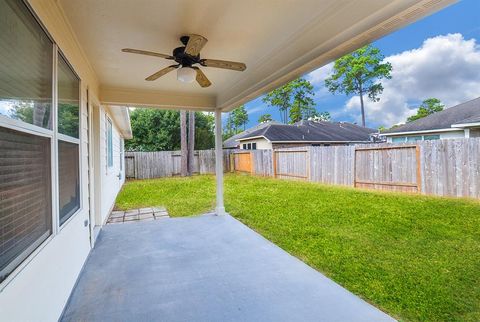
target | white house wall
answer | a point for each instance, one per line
(38, 290)
(112, 178)
(262, 144)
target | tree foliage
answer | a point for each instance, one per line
(240, 117)
(236, 122)
(359, 73)
(159, 130)
(321, 117)
(428, 106)
(294, 100)
(265, 118)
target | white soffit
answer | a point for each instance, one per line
(278, 40)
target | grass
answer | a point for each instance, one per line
(415, 257)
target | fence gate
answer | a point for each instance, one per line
(243, 162)
(130, 167)
(291, 163)
(394, 168)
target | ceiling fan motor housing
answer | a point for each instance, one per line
(181, 57)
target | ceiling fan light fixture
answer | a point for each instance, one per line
(186, 74)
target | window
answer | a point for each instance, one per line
(244, 146)
(249, 146)
(26, 81)
(26, 66)
(399, 139)
(414, 138)
(431, 137)
(25, 196)
(27, 136)
(68, 143)
(109, 142)
(254, 146)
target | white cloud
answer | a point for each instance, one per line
(317, 78)
(446, 67)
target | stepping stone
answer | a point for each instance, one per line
(115, 220)
(117, 214)
(159, 209)
(146, 216)
(146, 210)
(162, 214)
(131, 213)
(131, 218)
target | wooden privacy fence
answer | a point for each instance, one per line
(395, 168)
(149, 165)
(437, 167)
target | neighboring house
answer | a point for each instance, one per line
(305, 133)
(233, 141)
(460, 121)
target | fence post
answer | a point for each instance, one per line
(419, 170)
(274, 162)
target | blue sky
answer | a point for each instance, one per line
(450, 41)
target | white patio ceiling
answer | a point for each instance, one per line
(278, 40)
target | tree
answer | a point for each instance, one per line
(265, 118)
(183, 144)
(159, 130)
(191, 141)
(321, 117)
(294, 100)
(428, 106)
(359, 73)
(239, 118)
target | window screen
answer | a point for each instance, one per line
(68, 180)
(68, 100)
(68, 143)
(254, 146)
(109, 144)
(25, 196)
(26, 80)
(431, 137)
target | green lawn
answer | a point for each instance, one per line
(415, 257)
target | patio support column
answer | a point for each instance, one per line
(220, 208)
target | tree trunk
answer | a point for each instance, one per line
(361, 104)
(183, 144)
(191, 141)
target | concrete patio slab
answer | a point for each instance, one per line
(206, 268)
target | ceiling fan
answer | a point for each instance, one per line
(186, 57)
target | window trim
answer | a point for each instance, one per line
(70, 139)
(108, 147)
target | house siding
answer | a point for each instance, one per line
(112, 178)
(40, 287)
(443, 135)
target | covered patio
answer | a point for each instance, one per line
(204, 268)
(87, 52)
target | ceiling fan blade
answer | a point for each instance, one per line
(195, 44)
(145, 52)
(201, 78)
(224, 64)
(161, 72)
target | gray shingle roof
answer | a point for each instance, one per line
(232, 142)
(468, 112)
(310, 131)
